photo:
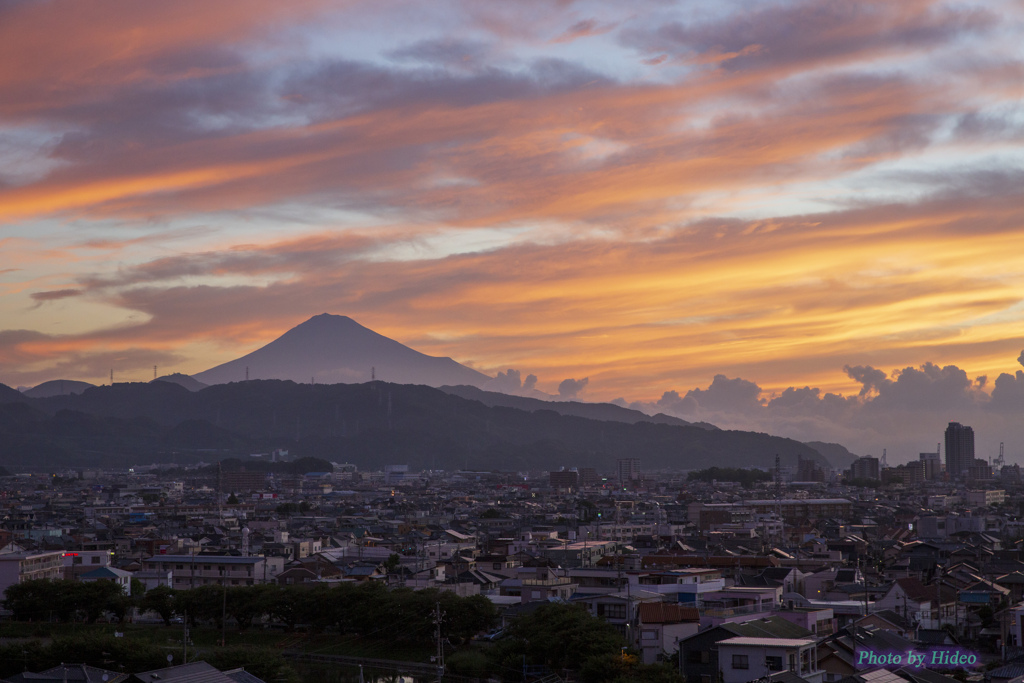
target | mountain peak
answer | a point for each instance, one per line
(330, 349)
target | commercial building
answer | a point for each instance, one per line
(629, 470)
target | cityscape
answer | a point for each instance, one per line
(512, 341)
(809, 572)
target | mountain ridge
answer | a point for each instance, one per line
(370, 425)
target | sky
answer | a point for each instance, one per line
(803, 217)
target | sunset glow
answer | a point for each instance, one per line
(646, 194)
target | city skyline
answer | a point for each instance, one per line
(797, 217)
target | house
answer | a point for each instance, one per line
(925, 606)
(112, 574)
(698, 654)
(886, 620)
(619, 609)
(194, 672)
(661, 625)
(542, 583)
(743, 659)
(70, 673)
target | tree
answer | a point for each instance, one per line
(232, 499)
(248, 603)
(558, 636)
(159, 600)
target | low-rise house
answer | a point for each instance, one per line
(661, 625)
(699, 654)
(112, 574)
(745, 659)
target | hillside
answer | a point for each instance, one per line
(593, 411)
(370, 424)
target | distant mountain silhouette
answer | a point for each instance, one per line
(593, 411)
(332, 349)
(9, 395)
(190, 383)
(371, 425)
(836, 454)
(57, 387)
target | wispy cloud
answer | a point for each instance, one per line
(768, 192)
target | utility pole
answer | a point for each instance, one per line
(440, 645)
(224, 618)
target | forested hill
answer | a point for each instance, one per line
(370, 424)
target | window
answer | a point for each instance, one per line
(95, 560)
(740, 662)
(649, 635)
(611, 611)
(773, 663)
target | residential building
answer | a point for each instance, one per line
(28, 566)
(959, 449)
(190, 571)
(744, 659)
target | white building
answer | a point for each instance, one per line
(746, 659)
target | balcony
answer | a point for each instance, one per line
(556, 581)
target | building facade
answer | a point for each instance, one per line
(959, 449)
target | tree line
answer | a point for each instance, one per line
(369, 610)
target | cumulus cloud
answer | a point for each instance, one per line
(734, 394)
(904, 411)
(506, 382)
(530, 383)
(569, 388)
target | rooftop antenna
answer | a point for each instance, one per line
(111, 376)
(373, 374)
(154, 372)
(220, 497)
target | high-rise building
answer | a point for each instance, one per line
(629, 470)
(959, 449)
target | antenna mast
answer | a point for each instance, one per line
(778, 477)
(154, 372)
